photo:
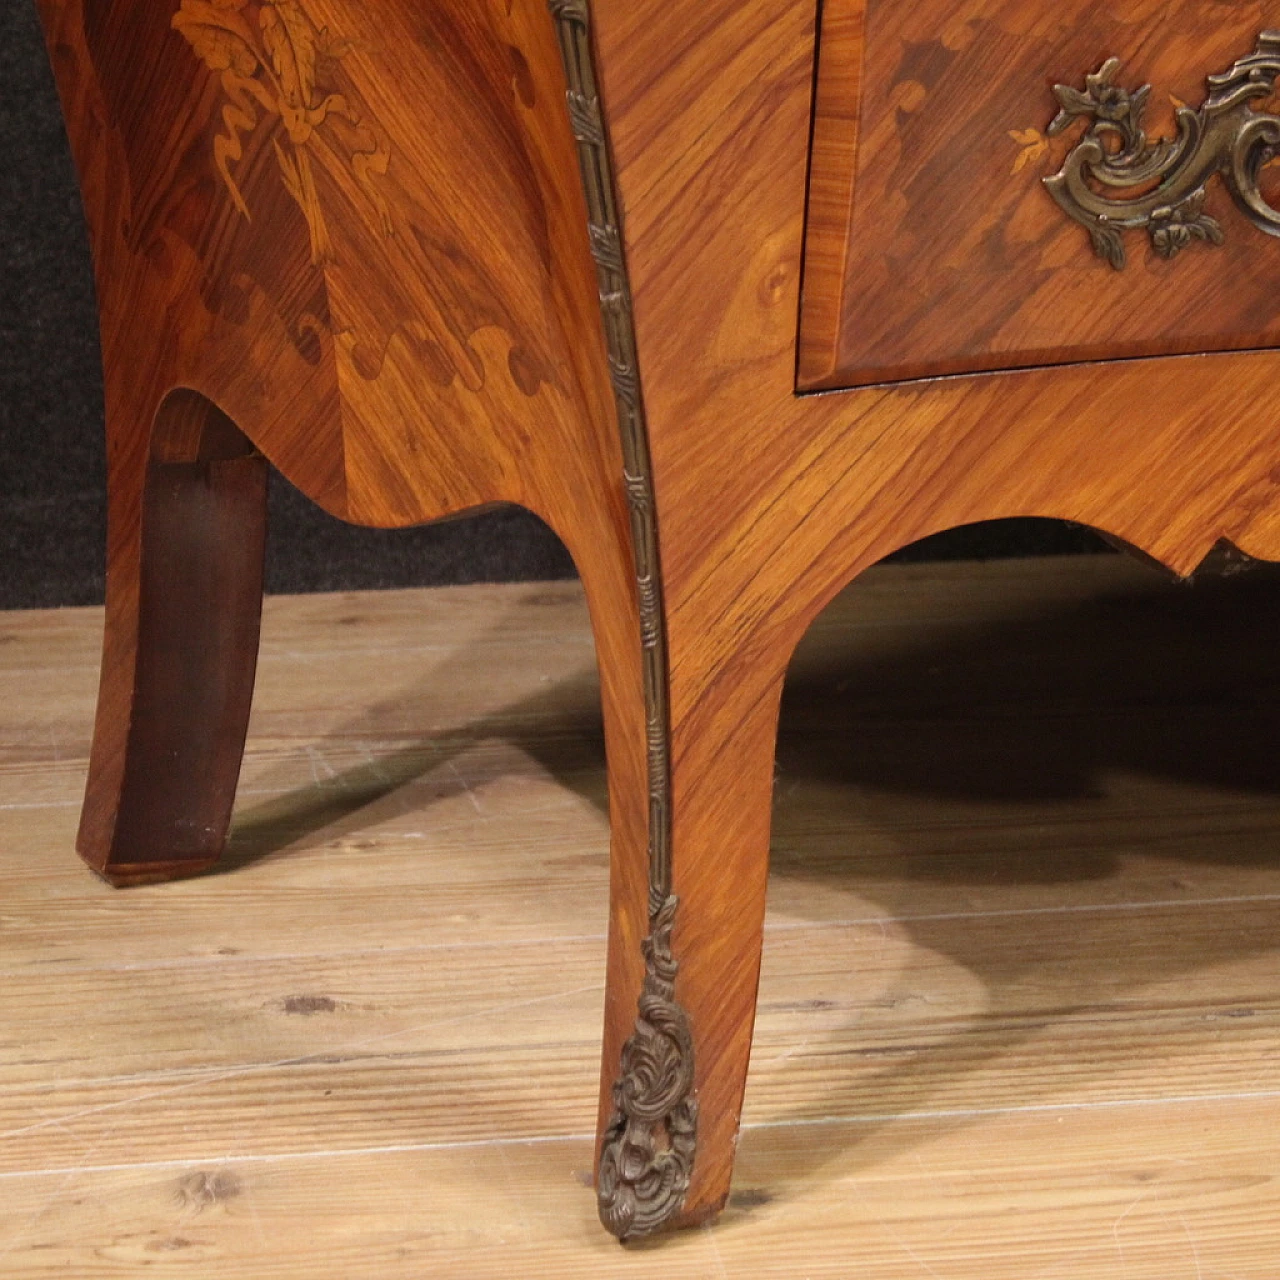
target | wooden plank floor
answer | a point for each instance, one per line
(1020, 1011)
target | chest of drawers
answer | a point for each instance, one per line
(987, 347)
(780, 291)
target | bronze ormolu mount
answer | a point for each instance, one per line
(649, 1144)
(1225, 136)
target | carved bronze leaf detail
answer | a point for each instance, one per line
(1115, 180)
(1174, 227)
(1108, 244)
(647, 1155)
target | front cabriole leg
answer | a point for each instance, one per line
(649, 1142)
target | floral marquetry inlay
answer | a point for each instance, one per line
(268, 54)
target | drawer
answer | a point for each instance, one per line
(934, 244)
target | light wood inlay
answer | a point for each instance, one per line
(932, 245)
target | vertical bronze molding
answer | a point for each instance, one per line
(649, 1144)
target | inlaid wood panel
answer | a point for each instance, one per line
(769, 502)
(350, 239)
(355, 228)
(933, 246)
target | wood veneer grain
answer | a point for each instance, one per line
(359, 236)
(770, 502)
(933, 246)
(355, 234)
(999, 1031)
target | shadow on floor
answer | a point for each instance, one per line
(1175, 681)
(1023, 723)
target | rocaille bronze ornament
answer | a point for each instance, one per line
(1167, 179)
(646, 1157)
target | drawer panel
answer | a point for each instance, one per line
(933, 244)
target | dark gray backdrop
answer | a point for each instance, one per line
(51, 455)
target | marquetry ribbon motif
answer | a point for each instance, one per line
(267, 54)
(651, 1139)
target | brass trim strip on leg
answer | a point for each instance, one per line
(650, 1142)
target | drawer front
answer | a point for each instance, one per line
(934, 243)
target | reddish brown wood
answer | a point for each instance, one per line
(184, 604)
(769, 502)
(933, 246)
(357, 233)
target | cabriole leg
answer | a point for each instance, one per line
(187, 531)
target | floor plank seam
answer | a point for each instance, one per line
(1089, 908)
(337, 1153)
(1030, 1108)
